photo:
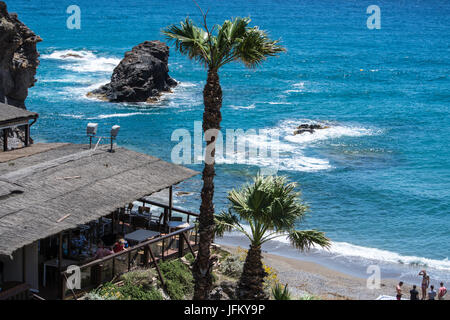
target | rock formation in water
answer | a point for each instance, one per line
(141, 76)
(311, 128)
(18, 58)
(18, 64)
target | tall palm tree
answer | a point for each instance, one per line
(234, 40)
(271, 207)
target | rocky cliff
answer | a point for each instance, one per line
(141, 76)
(18, 64)
(18, 58)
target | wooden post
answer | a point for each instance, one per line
(180, 245)
(156, 266)
(188, 243)
(60, 255)
(146, 252)
(5, 139)
(170, 202)
(24, 270)
(129, 260)
(166, 218)
(27, 135)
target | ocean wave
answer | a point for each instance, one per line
(118, 115)
(286, 151)
(252, 106)
(368, 254)
(332, 131)
(350, 253)
(278, 102)
(83, 61)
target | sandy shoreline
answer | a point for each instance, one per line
(306, 277)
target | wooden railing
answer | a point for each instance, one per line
(143, 255)
(15, 291)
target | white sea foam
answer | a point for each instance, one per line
(279, 102)
(252, 106)
(83, 61)
(333, 131)
(118, 115)
(344, 249)
(291, 150)
(358, 254)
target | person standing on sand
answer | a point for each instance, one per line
(425, 283)
(399, 290)
(414, 293)
(431, 293)
(442, 292)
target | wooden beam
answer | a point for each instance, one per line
(5, 139)
(156, 266)
(27, 135)
(24, 270)
(170, 202)
(189, 244)
(60, 255)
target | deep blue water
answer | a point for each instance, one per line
(379, 178)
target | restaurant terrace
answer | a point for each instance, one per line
(58, 200)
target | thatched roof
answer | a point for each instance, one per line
(45, 193)
(10, 115)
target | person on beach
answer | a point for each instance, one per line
(399, 290)
(425, 283)
(414, 293)
(431, 293)
(442, 292)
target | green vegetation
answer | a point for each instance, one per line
(135, 285)
(178, 279)
(271, 207)
(280, 292)
(309, 297)
(145, 284)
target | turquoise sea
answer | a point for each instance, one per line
(377, 181)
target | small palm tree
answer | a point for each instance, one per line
(271, 207)
(234, 40)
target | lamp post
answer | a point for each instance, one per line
(114, 132)
(91, 131)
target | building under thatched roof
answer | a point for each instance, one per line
(10, 116)
(48, 188)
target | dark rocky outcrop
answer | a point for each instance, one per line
(311, 128)
(18, 64)
(141, 76)
(18, 58)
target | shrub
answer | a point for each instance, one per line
(178, 279)
(232, 266)
(137, 285)
(280, 292)
(190, 258)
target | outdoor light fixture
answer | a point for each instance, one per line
(91, 131)
(114, 132)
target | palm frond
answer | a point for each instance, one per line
(256, 46)
(225, 222)
(304, 240)
(190, 40)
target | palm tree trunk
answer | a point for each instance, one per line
(251, 283)
(212, 97)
